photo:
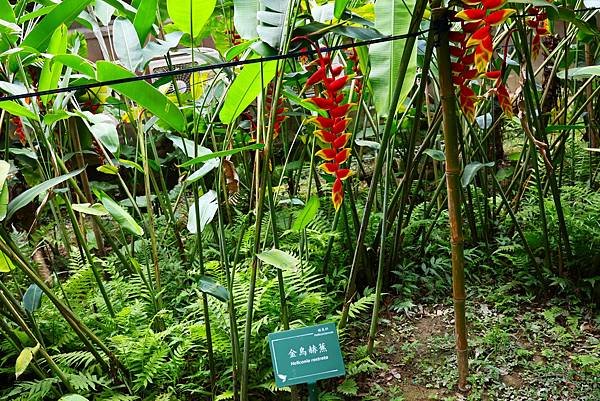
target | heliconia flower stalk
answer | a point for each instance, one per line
(270, 103)
(473, 51)
(541, 27)
(331, 129)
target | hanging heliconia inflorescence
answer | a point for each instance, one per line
(278, 106)
(280, 115)
(331, 130)
(538, 21)
(473, 51)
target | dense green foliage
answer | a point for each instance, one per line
(154, 231)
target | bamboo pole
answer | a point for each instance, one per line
(440, 22)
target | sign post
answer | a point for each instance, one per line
(306, 355)
(313, 392)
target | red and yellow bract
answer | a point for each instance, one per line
(331, 129)
(473, 51)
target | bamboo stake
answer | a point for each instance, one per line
(453, 168)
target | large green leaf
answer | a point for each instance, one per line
(6, 265)
(32, 299)
(120, 215)
(6, 12)
(392, 17)
(210, 286)
(272, 21)
(566, 14)
(339, 7)
(207, 207)
(190, 15)
(188, 147)
(144, 18)
(244, 17)
(26, 197)
(52, 69)
(77, 63)
(16, 109)
(221, 153)
(4, 197)
(24, 359)
(580, 72)
(40, 12)
(471, 169)
(85, 208)
(435, 154)
(124, 8)
(126, 44)
(4, 169)
(73, 397)
(245, 88)
(159, 48)
(104, 12)
(307, 214)
(279, 259)
(142, 93)
(64, 13)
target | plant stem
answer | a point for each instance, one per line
(53, 366)
(385, 142)
(150, 226)
(453, 169)
(381, 263)
(83, 244)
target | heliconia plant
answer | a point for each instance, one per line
(474, 50)
(331, 130)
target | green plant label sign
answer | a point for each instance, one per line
(306, 355)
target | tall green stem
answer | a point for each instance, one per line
(385, 142)
(83, 244)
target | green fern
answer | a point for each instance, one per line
(349, 387)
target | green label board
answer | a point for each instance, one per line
(306, 355)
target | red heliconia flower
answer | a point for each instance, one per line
(19, 131)
(470, 27)
(498, 17)
(467, 99)
(467, 60)
(331, 129)
(471, 14)
(540, 25)
(479, 35)
(270, 104)
(483, 53)
(317, 76)
(474, 51)
(493, 74)
(470, 74)
(353, 56)
(492, 4)
(504, 99)
(456, 51)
